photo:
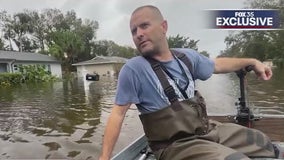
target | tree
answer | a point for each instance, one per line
(87, 32)
(100, 48)
(66, 47)
(182, 42)
(20, 25)
(110, 48)
(29, 45)
(205, 53)
(3, 16)
(258, 44)
(126, 52)
(67, 37)
(6, 27)
(63, 35)
(2, 45)
(40, 29)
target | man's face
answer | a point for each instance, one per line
(148, 32)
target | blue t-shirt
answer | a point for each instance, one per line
(138, 83)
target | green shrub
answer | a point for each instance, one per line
(7, 79)
(29, 73)
(35, 73)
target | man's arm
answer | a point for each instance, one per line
(226, 65)
(112, 130)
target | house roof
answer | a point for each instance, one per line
(26, 56)
(102, 60)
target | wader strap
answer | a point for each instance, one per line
(168, 89)
(157, 68)
(182, 90)
(185, 60)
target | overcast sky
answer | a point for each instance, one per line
(185, 17)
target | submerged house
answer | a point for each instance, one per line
(104, 66)
(11, 60)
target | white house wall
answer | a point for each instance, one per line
(80, 71)
(101, 69)
(54, 68)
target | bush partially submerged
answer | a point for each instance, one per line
(29, 73)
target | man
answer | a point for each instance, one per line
(175, 123)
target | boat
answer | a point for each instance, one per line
(271, 125)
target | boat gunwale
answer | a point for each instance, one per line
(211, 116)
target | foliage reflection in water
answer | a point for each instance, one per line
(56, 120)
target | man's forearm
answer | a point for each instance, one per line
(112, 131)
(226, 65)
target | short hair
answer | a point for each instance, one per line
(152, 8)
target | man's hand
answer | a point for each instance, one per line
(262, 71)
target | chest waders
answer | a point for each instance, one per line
(182, 130)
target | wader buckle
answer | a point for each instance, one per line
(170, 92)
(156, 66)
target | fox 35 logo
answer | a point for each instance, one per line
(245, 19)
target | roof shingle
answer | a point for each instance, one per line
(26, 56)
(102, 60)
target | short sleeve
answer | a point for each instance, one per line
(203, 67)
(127, 87)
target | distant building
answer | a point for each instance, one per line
(104, 66)
(11, 60)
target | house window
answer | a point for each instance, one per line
(16, 68)
(49, 68)
(3, 67)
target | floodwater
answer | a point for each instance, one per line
(221, 92)
(66, 119)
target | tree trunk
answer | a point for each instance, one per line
(42, 44)
(20, 46)
(10, 44)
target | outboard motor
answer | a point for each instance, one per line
(244, 116)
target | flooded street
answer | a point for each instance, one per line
(58, 120)
(222, 91)
(66, 119)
